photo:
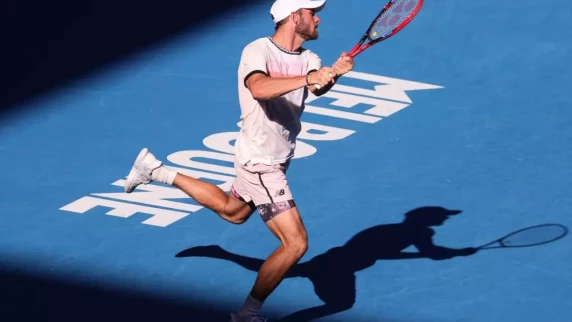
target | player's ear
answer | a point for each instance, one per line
(295, 16)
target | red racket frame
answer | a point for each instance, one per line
(360, 47)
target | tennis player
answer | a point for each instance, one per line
(275, 74)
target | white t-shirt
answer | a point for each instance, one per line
(269, 128)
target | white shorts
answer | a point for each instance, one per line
(265, 186)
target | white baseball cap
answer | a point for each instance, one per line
(283, 8)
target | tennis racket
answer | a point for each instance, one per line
(394, 16)
(531, 236)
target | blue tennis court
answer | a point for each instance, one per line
(468, 109)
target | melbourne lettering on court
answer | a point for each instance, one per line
(383, 98)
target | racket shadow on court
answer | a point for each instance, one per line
(333, 273)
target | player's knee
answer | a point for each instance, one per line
(237, 220)
(291, 231)
(297, 245)
(237, 212)
(233, 218)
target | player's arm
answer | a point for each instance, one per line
(255, 75)
(264, 87)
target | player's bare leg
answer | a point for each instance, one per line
(147, 169)
(211, 196)
(289, 228)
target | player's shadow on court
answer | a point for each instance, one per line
(333, 272)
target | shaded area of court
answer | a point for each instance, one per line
(33, 296)
(52, 44)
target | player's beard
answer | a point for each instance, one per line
(304, 30)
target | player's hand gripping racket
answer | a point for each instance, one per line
(531, 236)
(394, 16)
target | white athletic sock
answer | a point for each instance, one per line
(250, 307)
(164, 175)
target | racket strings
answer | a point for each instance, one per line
(395, 15)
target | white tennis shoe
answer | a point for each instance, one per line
(141, 171)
